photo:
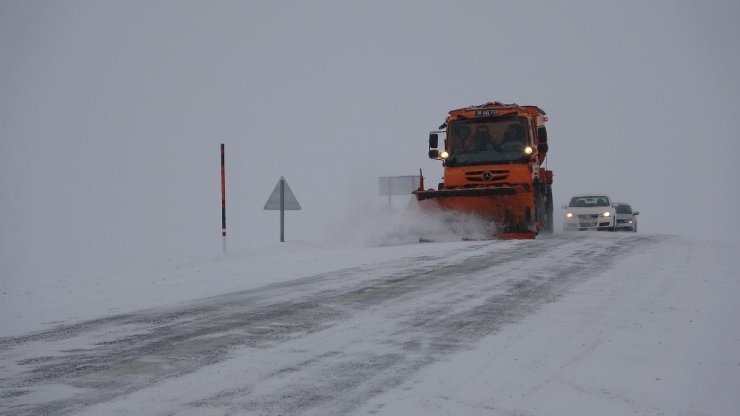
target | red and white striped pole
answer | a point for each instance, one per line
(223, 198)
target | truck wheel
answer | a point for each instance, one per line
(548, 210)
(543, 206)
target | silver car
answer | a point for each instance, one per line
(626, 217)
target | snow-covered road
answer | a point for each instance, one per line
(566, 324)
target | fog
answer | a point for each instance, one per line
(112, 113)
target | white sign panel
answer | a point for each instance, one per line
(398, 185)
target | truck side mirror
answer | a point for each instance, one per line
(433, 140)
(541, 134)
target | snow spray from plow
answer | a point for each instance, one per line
(410, 225)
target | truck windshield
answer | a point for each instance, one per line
(474, 142)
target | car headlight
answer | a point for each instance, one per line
(568, 215)
(606, 214)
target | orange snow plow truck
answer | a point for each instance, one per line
(494, 168)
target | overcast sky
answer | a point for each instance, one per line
(111, 114)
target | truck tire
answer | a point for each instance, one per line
(540, 200)
(549, 210)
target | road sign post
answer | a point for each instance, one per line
(282, 198)
(223, 198)
(282, 210)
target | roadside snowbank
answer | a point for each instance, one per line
(655, 335)
(31, 305)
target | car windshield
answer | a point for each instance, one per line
(624, 209)
(589, 201)
(475, 142)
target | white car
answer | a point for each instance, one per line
(626, 217)
(590, 212)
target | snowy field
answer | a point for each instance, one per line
(581, 324)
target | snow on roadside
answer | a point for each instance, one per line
(655, 335)
(32, 305)
(36, 303)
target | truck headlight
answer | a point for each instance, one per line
(528, 150)
(444, 155)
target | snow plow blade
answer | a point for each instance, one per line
(510, 209)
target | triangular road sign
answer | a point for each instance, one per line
(289, 200)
